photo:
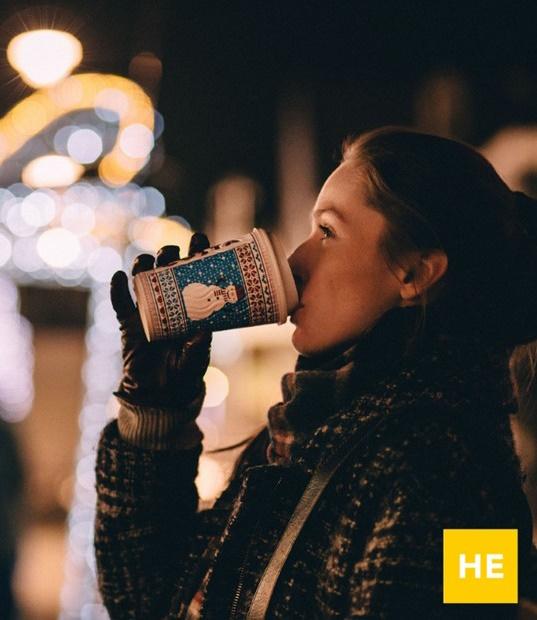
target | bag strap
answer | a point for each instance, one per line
(313, 491)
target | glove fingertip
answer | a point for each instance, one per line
(198, 243)
(143, 262)
(117, 277)
(167, 254)
(120, 295)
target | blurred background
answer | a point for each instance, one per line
(126, 125)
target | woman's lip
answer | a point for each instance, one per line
(295, 311)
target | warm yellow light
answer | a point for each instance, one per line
(52, 171)
(211, 479)
(30, 116)
(131, 107)
(151, 233)
(58, 247)
(44, 57)
(217, 387)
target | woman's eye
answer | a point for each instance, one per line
(327, 232)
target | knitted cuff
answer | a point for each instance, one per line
(161, 428)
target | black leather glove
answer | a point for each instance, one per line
(164, 373)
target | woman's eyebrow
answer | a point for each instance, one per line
(331, 211)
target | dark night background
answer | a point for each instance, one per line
(226, 66)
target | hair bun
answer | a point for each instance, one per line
(526, 208)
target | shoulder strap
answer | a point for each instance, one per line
(319, 480)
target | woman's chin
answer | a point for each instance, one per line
(300, 342)
(306, 345)
(310, 346)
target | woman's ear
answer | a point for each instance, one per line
(423, 270)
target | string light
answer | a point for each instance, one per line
(129, 106)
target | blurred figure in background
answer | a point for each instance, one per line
(523, 366)
(11, 484)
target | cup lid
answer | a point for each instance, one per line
(283, 275)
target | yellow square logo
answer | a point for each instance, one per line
(480, 566)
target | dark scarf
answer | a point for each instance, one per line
(327, 397)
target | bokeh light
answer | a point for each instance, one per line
(151, 233)
(136, 141)
(85, 193)
(61, 138)
(75, 236)
(5, 249)
(15, 221)
(159, 125)
(68, 94)
(52, 171)
(58, 247)
(29, 116)
(130, 107)
(25, 255)
(16, 361)
(44, 57)
(217, 387)
(155, 203)
(210, 479)
(78, 218)
(227, 346)
(103, 263)
(111, 104)
(84, 145)
(38, 208)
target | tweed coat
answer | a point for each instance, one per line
(372, 547)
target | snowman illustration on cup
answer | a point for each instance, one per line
(202, 300)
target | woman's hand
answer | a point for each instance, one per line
(164, 373)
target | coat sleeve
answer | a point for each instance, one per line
(145, 524)
(149, 535)
(400, 573)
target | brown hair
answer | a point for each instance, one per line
(437, 193)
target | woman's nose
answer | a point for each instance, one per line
(297, 262)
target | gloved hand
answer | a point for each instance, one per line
(164, 373)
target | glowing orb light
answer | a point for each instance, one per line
(38, 208)
(58, 247)
(210, 479)
(52, 171)
(85, 145)
(5, 249)
(44, 57)
(136, 141)
(151, 233)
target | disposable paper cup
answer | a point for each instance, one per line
(237, 283)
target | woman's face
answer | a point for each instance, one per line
(343, 280)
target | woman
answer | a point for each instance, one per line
(411, 286)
